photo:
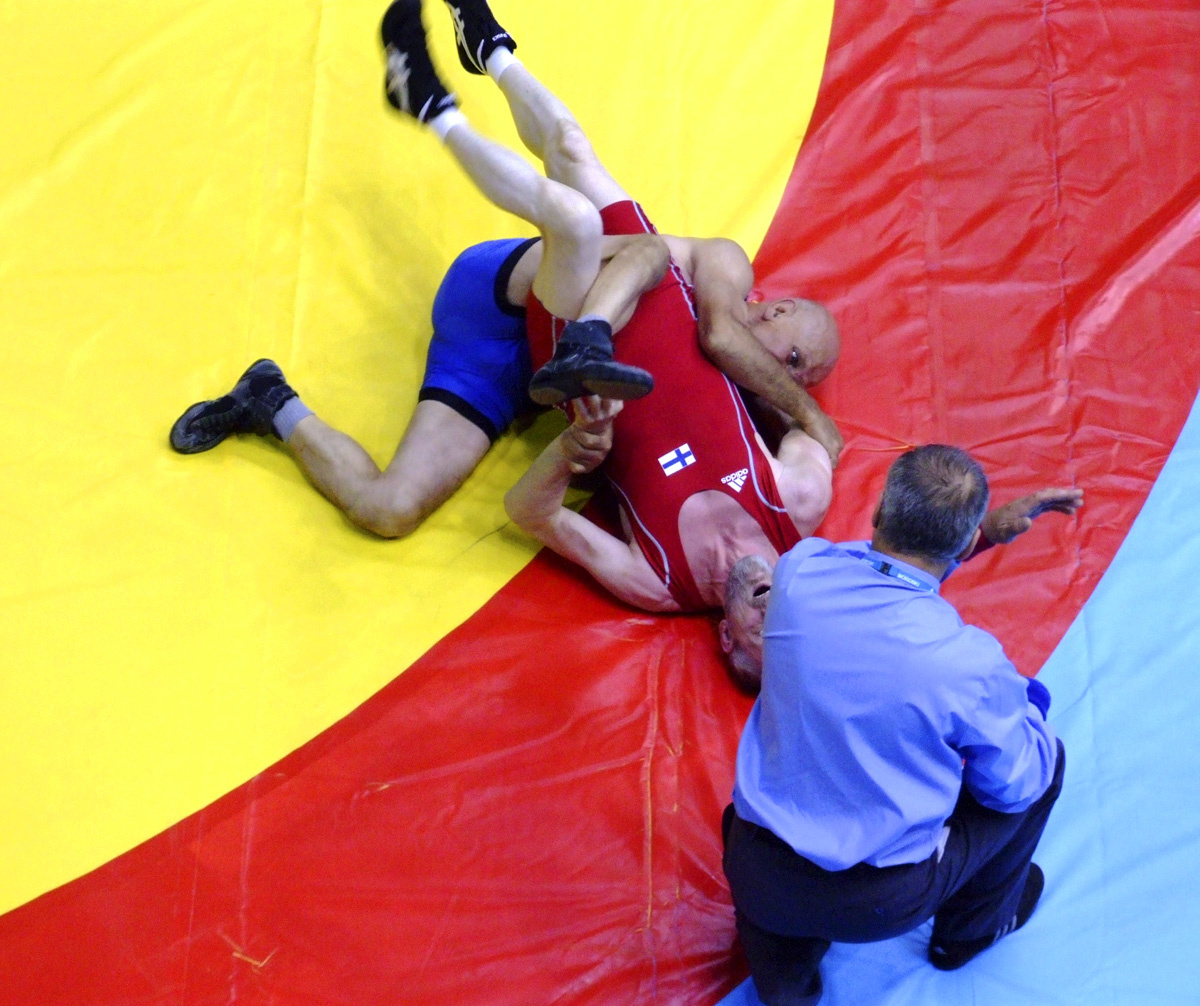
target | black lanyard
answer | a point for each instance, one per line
(889, 570)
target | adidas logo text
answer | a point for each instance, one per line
(736, 480)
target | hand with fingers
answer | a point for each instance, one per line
(587, 441)
(1004, 523)
(825, 432)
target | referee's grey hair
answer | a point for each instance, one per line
(933, 501)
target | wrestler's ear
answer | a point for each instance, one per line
(725, 636)
(782, 308)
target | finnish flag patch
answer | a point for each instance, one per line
(677, 460)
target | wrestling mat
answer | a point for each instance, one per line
(219, 785)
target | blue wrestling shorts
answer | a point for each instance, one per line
(478, 362)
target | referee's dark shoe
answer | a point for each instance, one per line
(949, 955)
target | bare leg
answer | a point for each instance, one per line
(547, 127)
(569, 223)
(438, 451)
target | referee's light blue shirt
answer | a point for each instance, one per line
(874, 694)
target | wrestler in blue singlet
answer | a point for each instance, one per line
(478, 362)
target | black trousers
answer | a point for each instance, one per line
(789, 910)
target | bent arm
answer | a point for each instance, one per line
(804, 477)
(1008, 748)
(723, 278)
(535, 503)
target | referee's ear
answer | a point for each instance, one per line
(966, 552)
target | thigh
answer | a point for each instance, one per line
(571, 235)
(787, 894)
(979, 835)
(440, 448)
(478, 358)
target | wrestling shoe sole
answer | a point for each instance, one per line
(411, 84)
(608, 380)
(189, 438)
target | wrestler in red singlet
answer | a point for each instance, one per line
(690, 434)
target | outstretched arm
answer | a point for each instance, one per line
(1002, 525)
(535, 503)
(723, 278)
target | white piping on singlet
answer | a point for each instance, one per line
(650, 228)
(740, 408)
(684, 288)
(661, 551)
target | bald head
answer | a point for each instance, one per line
(801, 334)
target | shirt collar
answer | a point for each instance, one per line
(903, 567)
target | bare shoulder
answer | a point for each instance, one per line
(723, 255)
(804, 478)
(722, 270)
(714, 256)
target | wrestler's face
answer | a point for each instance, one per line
(741, 631)
(801, 335)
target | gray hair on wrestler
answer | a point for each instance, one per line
(747, 591)
(933, 501)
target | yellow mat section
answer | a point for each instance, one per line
(187, 185)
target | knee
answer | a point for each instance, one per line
(569, 215)
(392, 517)
(1060, 767)
(568, 147)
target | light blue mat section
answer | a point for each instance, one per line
(1119, 924)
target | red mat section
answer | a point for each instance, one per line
(524, 816)
(1001, 204)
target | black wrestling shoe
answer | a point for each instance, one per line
(410, 83)
(479, 35)
(948, 955)
(249, 408)
(583, 364)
